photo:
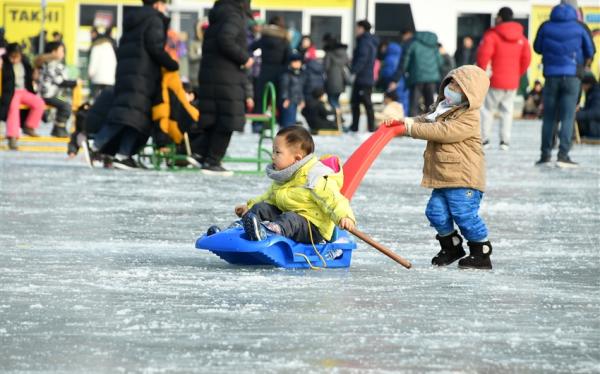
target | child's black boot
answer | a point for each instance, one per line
(479, 258)
(451, 251)
(253, 228)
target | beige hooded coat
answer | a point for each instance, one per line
(454, 156)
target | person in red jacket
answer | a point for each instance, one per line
(507, 50)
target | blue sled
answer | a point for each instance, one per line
(233, 246)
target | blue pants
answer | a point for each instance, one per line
(334, 100)
(560, 99)
(288, 115)
(461, 205)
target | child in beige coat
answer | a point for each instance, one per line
(455, 166)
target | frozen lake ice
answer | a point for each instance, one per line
(98, 273)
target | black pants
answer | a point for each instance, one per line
(293, 225)
(424, 90)
(124, 140)
(211, 144)
(97, 90)
(362, 94)
(63, 109)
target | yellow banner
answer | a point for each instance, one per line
(591, 17)
(23, 20)
(540, 14)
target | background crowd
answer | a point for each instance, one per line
(232, 57)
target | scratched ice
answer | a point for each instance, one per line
(98, 273)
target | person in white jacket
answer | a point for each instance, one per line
(102, 65)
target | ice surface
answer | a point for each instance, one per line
(98, 273)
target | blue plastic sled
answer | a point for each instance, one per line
(233, 246)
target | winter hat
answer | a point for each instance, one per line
(295, 57)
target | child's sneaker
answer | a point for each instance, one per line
(504, 146)
(451, 251)
(334, 254)
(213, 230)
(253, 227)
(485, 144)
(479, 257)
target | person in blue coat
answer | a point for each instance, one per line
(363, 61)
(561, 41)
(387, 74)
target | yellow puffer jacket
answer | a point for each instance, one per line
(314, 193)
(163, 112)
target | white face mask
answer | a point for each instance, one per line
(452, 97)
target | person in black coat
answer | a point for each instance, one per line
(588, 117)
(89, 120)
(363, 61)
(314, 78)
(292, 91)
(140, 57)
(316, 113)
(466, 53)
(275, 53)
(222, 81)
(335, 65)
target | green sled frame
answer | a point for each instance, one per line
(168, 156)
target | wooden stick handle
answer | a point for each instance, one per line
(386, 251)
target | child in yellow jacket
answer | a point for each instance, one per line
(304, 202)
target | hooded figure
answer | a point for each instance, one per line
(454, 157)
(387, 74)
(455, 167)
(564, 44)
(508, 51)
(422, 64)
(423, 61)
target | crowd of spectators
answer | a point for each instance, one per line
(232, 56)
